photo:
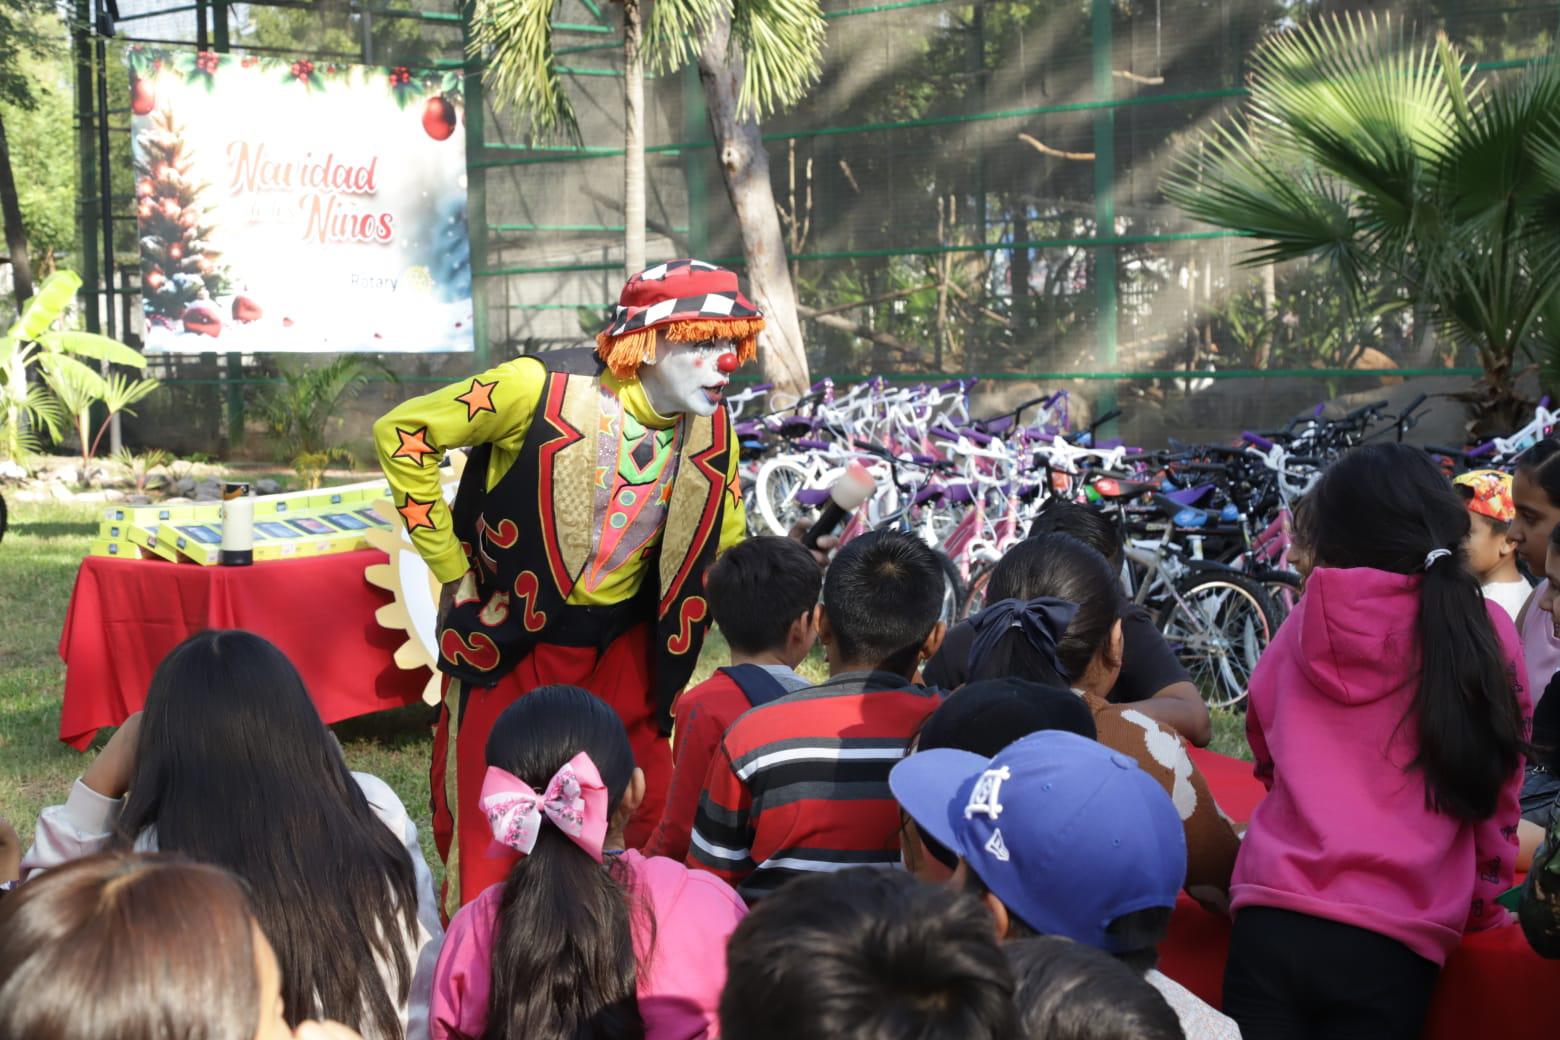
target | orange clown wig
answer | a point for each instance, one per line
(689, 301)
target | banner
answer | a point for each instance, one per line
(299, 206)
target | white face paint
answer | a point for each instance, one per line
(684, 377)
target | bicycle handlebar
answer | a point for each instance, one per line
(1256, 439)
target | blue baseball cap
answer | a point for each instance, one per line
(1069, 834)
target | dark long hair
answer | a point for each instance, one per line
(235, 768)
(1062, 567)
(1541, 463)
(1387, 506)
(564, 961)
(128, 947)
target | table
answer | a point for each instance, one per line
(125, 615)
(1493, 984)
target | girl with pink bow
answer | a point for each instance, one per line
(584, 937)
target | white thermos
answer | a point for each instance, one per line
(238, 526)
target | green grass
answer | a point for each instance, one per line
(38, 562)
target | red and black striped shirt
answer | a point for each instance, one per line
(801, 784)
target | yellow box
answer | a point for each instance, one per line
(148, 540)
(123, 550)
(150, 516)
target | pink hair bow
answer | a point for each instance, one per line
(575, 801)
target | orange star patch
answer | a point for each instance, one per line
(415, 513)
(478, 399)
(414, 445)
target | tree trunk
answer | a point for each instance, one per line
(15, 233)
(1269, 315)
(744, 165)
(633, 141)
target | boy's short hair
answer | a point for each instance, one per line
(1069, 991)
(882, 594)
(758, 587)
(864, 954)
(1089, 525)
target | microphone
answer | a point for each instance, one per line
(853, 487)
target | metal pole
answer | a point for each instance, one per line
(1104, 198)
(87, 201)
(696, 126)
(104, 27)
(476, 185)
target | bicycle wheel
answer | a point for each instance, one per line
(975, 594)
(1283, 589)
(953, 590)
(1218, 625)
(778, 482)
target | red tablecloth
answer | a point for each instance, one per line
(1493, 985)
(125, 615)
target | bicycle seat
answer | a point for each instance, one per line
(1113, 488)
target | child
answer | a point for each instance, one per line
(1492, 556)
(1055, 618)
(1060, 835)
(231, 765)
(761, 593)
(1151, 677)
(180, 954)
(1069, 991)
(801, 784)
(1387, 719)
(1535, 492)
(584, 938)
(983, 718)
(867, 955)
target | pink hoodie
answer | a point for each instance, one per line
(682, 947)
(1344, 833)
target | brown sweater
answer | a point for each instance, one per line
(1211, 839)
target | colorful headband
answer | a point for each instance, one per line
(575, 801)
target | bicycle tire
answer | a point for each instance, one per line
(4, 518)
(975, 592)
(1283, 590)
(776, 498)
(1220, 644)
(953, 590)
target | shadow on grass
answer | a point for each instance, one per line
(53, 529)
(394, 728)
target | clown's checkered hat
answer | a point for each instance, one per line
(686, 300)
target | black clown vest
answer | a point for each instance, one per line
(528, 540)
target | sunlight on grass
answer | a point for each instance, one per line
(38, 563)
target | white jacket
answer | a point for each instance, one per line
(84, 825)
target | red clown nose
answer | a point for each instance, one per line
(727, 362)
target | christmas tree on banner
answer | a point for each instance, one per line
(180, 270)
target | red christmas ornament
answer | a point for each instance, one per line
(175, 250)
(170, 209)
(245, 309)
(154, 279)
(145, 209)
(439, 118)
(142, 98)
(144, 188)
(203, 318)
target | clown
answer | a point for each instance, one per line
(600, 485)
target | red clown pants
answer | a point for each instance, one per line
(619, 675)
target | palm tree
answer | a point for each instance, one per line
(755, 56)
(1382, 154)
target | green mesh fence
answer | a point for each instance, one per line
(985, 176)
